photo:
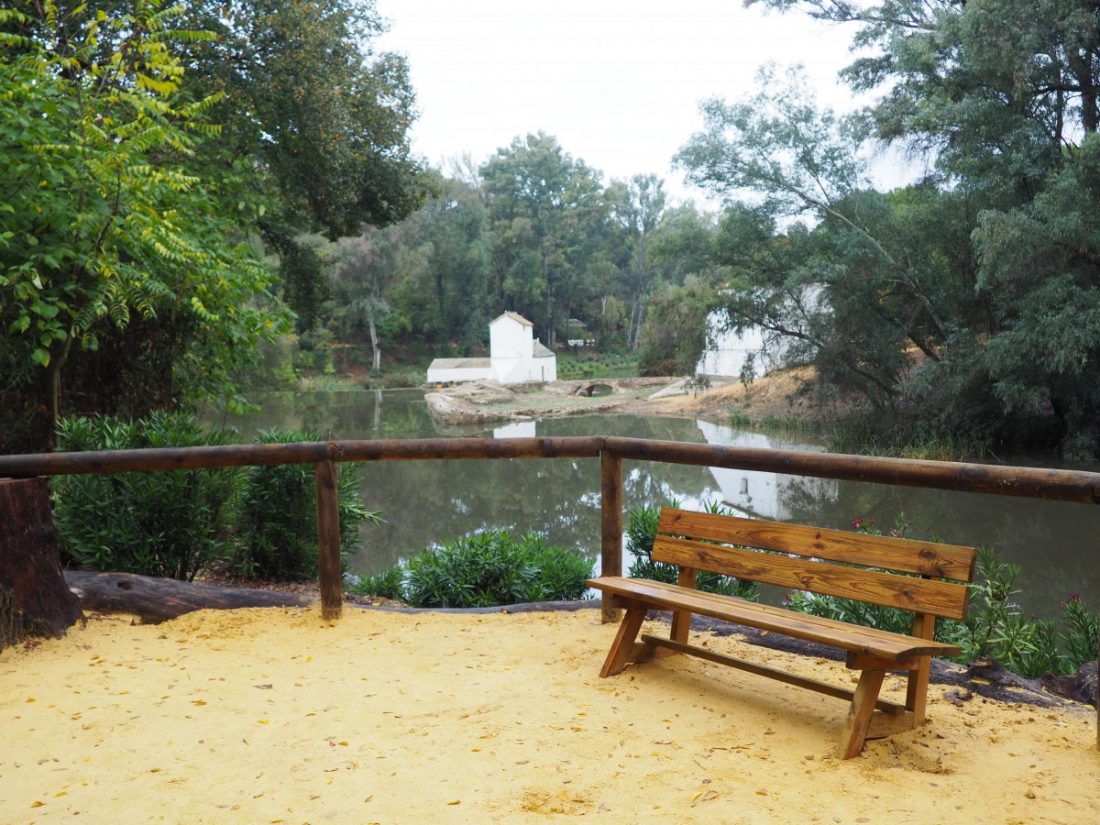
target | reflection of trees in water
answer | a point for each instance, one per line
(426, 502)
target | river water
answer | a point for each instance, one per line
(1056, 544)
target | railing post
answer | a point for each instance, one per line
(328, 540)
(611, 511)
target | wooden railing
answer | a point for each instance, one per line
(1026, 482)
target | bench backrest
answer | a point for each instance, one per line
(828, 562)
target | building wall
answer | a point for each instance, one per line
(728, 351)
(510, 339)
(520, 370)
(455, 375)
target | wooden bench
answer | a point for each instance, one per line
(925, 578)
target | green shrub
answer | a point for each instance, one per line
(641, 531)
(153, 524)
(1081, 635)
(994, 627)
(483, 570)
(276, 518)
(389, 584)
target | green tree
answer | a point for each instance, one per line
(314, 122)
(102, 222)
(637, 208)
(547, 211)
(365, 268)
(675, 330)
(1002, 97)
(448, 300)
(856, 297)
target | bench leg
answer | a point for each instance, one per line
(916, 692)
(859, 714)
(916, 689)
(623, 646)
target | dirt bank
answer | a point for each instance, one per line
(782, 395)
(274, 716)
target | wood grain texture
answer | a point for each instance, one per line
(840, 635)
(611, 523)
(859, 713)
(769, 672)
(848, 637)
(906, 592)
(328, 541)
(623, 646)
(947, 561)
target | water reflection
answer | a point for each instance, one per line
(427, 502)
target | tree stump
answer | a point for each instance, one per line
(34, 598)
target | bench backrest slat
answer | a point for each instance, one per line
(935, 596)
(827, 562)
(945, 561)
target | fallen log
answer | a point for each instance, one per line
(157, 600)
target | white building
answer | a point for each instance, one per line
(515, 357)
(728, 351)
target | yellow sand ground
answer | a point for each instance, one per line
(274, 716)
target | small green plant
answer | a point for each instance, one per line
(995, 628)
(482, 570)
(167, 524)
(276, 517)
(641, 531)
(1080, 637)
(389, 584)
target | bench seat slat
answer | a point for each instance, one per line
(852, 638)
(906, 592)
(947, 561)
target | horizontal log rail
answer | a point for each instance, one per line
(1026, 482)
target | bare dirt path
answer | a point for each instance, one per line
(275, 716)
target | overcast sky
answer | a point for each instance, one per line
(618, 82)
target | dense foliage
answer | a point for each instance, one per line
(169, 524)
(482, 570)
(149, 153)
(260, 521)
(963, 306)
(275, 535)
(177, 176)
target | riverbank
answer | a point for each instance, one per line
(275, 716)
(780, 397)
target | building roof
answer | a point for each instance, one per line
(542, 352)
(515, 316)
(460, 363)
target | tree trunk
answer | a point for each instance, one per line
(155, 600)
(376, 360)
(34, 599)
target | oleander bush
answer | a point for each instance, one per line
(260, 521)
(482, 570)
(994, 627)
(275, 519)
(165, 523)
